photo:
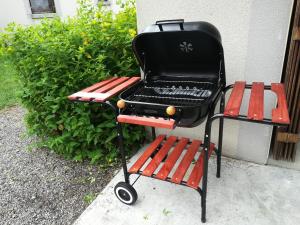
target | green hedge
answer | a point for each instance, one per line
(59, 57)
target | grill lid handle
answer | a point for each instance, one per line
(160, 23)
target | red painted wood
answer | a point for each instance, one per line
(124, 85)
(147, 121)
(186, 162)
(91, 88)
(197, 171)
(234, 103)
(147, 153)
(281, 113)
(152, 166)
(104, 90)
(98, 85)
(111, 85)
(256, 103)
(119, 88)
(172, 159)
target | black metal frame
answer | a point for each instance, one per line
(207, 136)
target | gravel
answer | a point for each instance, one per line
(40, 187)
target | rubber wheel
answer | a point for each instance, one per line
(125, 193)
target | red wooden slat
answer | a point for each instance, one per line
(119, 88)
(111, 85)
(147, 153)
(186, 162)
(98, 85)
(172, 159)
(146, 121)
(197, 172)
(91, 88)
(280, 114)
(152, 166)
(234, 103)
(256, 103)
(105, 88)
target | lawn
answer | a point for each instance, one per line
(9, 84)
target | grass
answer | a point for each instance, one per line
(9, 84)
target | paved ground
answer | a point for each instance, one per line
(40, 187)
(246, 194)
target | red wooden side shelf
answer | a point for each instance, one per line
(173, 162)
(280, 114)
(102, 91)
(147, 121)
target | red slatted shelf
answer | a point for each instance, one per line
(197, 173)
(111, 85)
(280, 114)
(234, 103)
(145, 156)
(172, 159)
(173, 155)
(149, 170)
(186, 162)
(104, 90)
(147, 121)
(256, 103)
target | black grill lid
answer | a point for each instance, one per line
(176, 49)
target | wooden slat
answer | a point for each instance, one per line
(280, 114)
(145, 156)
(98, 85)
(197, 171)
(119, 88)
(89, 96)
(234, 103)
(146, 121)
(256, 103)
(111, 85)
(152, 166)
(91, 88)
(172, 159)
(186, 162)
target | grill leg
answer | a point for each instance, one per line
(153, 133)
(121, 148)
(205, 168)
(220, 141)
(204, 190)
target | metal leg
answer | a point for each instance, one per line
(120, 140)
(220, 141)
(121, 148)
(153, 133)
(205, 167)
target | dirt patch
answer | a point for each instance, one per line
(38, 186)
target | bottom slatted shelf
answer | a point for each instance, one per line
(175, 160)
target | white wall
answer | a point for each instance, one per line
(254, 34)
(19, 11)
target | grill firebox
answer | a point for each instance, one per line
(187, 78)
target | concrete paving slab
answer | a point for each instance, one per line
(245, 194)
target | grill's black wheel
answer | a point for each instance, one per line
(125, 193)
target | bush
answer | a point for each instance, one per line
(59, 57)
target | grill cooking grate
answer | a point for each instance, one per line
(173, 92)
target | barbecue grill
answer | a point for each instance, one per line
(184, 78)
(183, 66)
